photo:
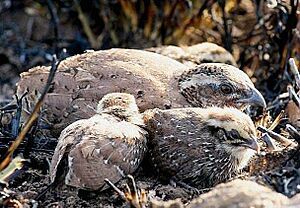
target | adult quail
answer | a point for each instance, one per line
(200, 147)
(154, 80)
(196, 54)
(103, 146)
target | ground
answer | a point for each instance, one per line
(30, 34)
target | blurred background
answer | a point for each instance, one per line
(261, 35)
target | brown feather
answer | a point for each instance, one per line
(100, 147)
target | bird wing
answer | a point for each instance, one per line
(173, 139)
(65, 141)
(105, 151)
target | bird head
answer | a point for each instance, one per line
(207, 52)
(235, 133)
(216, 84)
(122, 105)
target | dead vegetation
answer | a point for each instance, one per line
(262, 37)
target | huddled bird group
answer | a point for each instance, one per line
(191, 122)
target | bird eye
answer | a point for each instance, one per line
(226, 89)
(234, 134)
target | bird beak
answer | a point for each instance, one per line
(256, 99)
(252, 144)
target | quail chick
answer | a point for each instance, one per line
(103, 146)
(154, 80)
(196, 54)
(200, 147)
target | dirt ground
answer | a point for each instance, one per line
(28, 38)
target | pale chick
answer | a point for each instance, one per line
(200, 147)
(103, 146)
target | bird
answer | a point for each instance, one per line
(106, 146)
(200, 147)
(193, 55)
(218, 84)
(155, 81)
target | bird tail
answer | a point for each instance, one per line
(60, 175)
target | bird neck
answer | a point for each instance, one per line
(221, 167)
(240, 156)
(128, 115)
(191, 88)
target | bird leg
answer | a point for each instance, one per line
(135, 197)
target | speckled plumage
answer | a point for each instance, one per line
(220, 85)
(201, 147)
(156, 81)
(101, 146)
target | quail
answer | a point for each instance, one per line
(191, 56)
(154, 80)
(200, 147)
(107, 145)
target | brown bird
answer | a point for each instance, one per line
(200, 147)
(103, 146)
(196, 54)
(154, 80)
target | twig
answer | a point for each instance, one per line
(10, 107)
(32, 118)
(276, 121)
(17, 117)
(227, 36)
(294, 96)
(295, 72)
(86, 27)
(286, 183)
(271, 146)
(166, 21)
(55, 21)
(193, 19)
(296, 135)
(277, 137)
(16, 164)
(293, 132)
